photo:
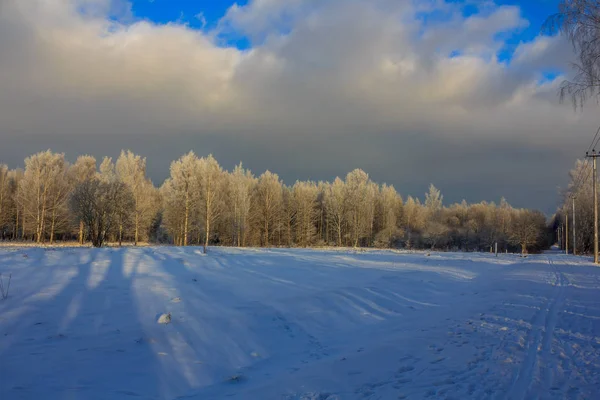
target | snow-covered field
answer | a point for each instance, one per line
(297, 324)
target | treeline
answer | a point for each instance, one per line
(202, 204)
(581, 187)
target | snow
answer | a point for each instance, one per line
(81, 323)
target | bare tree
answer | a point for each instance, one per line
(579, 22)
(94, 202)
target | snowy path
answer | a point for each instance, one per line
(297, 324)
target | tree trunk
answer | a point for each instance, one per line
(120, 234)
(52, 226)
(137, 228)
(186, 218)
(16, 232)
(81, 232)
(207, 232)
(267, 231)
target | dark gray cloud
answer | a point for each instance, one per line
(327, 87)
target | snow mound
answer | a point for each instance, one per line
(164, 318)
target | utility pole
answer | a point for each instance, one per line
(567, 231)
(573, 223)
(593, 156)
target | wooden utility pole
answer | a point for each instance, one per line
(573, 223)
(567, 231)
(593, 156)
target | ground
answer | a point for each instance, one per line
(172, 323)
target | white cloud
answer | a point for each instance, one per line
(336, 67)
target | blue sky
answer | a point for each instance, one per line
(188, 11)
(163, 11)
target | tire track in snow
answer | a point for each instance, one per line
(550, 326)
(539, 338)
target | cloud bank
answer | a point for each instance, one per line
(413, 92)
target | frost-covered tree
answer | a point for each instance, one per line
(306, 213)
(390, 212)
(40, 191)
(336, 207)
(182, 196)
(414, 220)
(359, 199)
(527, 229)
(212, 184)
(579, 22)
(241, 184)
(268, 199)
(84, 169)
(131, 170)
(5, 199)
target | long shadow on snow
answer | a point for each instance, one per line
(80, 340)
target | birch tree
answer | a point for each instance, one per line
(306, 212)
(268, 200)
(390, 205)
(84, 169)
(131, 170)
(360, 203)
(336, 207)
(212, 184)
(5, 197)
(182, 195)
(43, 173)
(241, 183)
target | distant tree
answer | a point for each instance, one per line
(414, 220)
(306, 213)
(5, 198)
(83, 170)
(390, 206)
(131, 170)
(241, 184)
(359, 200)
(181, 192)
(434, 231)
(269, 201)
(579, 22)
(212, 183)
(336, 207)
(527, 229)
(40, 190)
(95, 202)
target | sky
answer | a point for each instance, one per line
(461, 93)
